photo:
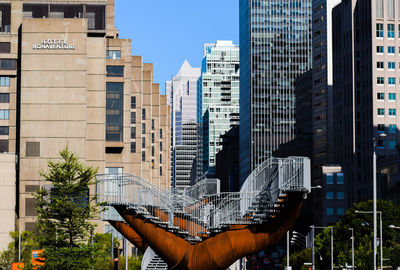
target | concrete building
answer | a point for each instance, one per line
(66, 79)
(182, 98)
(365, 51)
(217, 99)
(275, 48)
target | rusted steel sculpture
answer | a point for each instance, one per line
(219, 251)
(202, 228)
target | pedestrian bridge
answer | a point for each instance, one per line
(203, 228)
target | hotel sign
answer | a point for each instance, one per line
(54, 44)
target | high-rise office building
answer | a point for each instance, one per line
(217, 99)
(67, 79)
(275, 48)
(366, 45)
(182, 94)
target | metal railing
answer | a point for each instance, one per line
(202, 209)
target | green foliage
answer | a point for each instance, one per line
(363, 235)
(134, 262)
(64, 215)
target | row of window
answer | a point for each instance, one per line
(381, 144)
(390, 30)
(391, 65)
(391, 96)
(381, 112)
(381, 80)
(133, 132)
(339, 178)
(391, 128)
(330, 211)
(390, 49)
(331, 195)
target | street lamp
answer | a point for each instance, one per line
(382, 135)
(352, 248)
(313, 246)
(393, 227)
(380, 233)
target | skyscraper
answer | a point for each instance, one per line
(217, 99)
(182, 93)
(275, 48)
(366, 99)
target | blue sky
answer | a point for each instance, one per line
(166, 32)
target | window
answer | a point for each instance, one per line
(152, 151)
(133, 147)
(340, 178)
(114, 111)
(392, 144)
(32, 149)
(133, 117)
(143, 114)
(152, 124)
(143, 156)
(160, 158)
(113, 54)
(330, 195)
(380, 96)
(143, 142)
(143, 128)
(4, 81)
(4, 97)
(381, 144)
(5, 47)
(160, 133)
(133, 132)
(3, 146)
(4, 130)
(379, 30)
(381, 128)
(340, 195)
(340, 211)
(381, 111)
(392, 96)
(8, 64)
(152, 137)
(4, 114)
(391, 49)
(380, 80)
(379, 65)
(96, 17)
(379, 49)
(392, 81)
(390, 28)
(329, 211)
(392, 129)
(329, 178)
(391, 65)
(160, 146)
(392, 112)
(133, 102)
(115, 71)
(160, 170)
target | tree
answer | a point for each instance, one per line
(65, 211)
(362, 225)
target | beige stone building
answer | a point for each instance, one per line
(67, 79)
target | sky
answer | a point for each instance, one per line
(166, 32)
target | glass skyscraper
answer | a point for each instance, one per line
(275, 48)
(217, 100)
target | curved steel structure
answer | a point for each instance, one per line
(210, 231)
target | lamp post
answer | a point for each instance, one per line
(312, 241)
(352, 248)
(380, 233)
(287, 247)
(374, 192)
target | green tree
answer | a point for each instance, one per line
(65, 211)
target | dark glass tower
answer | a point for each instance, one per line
(275, 48)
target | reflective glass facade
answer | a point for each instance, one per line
(275, 48)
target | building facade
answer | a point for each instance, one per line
(182, 98)
(366, 78)
(217, 99)
(275, 48)
(68, 80)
